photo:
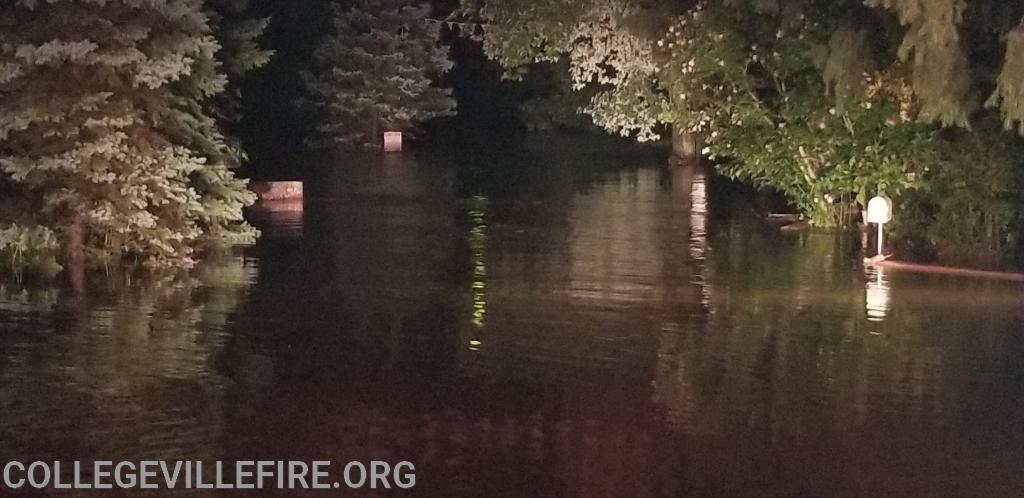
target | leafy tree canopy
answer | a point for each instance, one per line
(828, 101)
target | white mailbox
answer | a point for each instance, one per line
(879, 210)
(880, 213)
(392, 141)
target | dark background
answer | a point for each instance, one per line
(273, 126)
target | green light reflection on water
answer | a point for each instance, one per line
(477, 239)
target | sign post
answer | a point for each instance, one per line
(879, 213)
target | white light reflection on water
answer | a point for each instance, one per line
(698, 217)
(699, 234)
(877, 295)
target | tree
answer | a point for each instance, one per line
(377, 72)
(551, 103)
(108, 141)
(827, 101)
(832, 102)
(239, 36)
(605, 44)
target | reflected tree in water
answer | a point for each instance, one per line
(139, 349)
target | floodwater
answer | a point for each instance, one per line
(547, 325)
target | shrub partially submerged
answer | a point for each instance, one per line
(33, 249)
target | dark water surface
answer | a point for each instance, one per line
(570, 326)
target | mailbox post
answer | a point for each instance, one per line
(879, 213)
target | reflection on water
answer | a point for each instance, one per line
(577, 329)
(477, 240)
(699, 235)
(79, 368)
(878, 293)
(282, 218)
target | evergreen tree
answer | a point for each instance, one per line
(239, 37)
(377, 72)
(107, 140)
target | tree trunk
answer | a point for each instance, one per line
(685, 145)
(74, 254)
(377, 138)
(74, 245)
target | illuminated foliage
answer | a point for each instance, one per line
(605, 53)
(932, 47)
(791, 108)
(1009, 93)
(107, 134)
(828, 102)
(832, 103)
